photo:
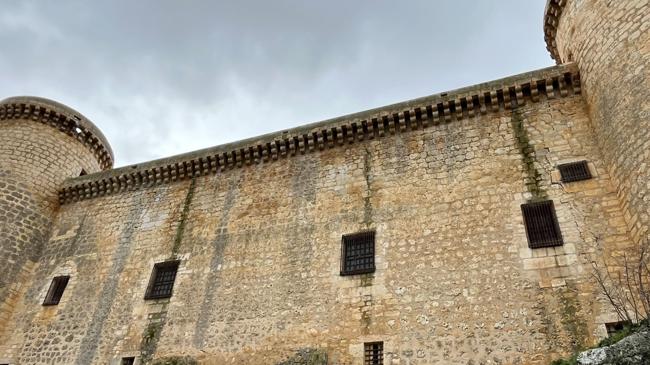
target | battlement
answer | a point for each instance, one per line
(493, 96)
(63, 118)
(552, 14)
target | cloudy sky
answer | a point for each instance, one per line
(162, 77)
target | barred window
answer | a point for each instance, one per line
(542, 227)
(162, 279)
(373, 353)
(128, 360)
(574, 171)
(358, 253)
(57, 287)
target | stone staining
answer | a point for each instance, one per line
(256, 226)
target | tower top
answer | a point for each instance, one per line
(63, 118)
(552, 14)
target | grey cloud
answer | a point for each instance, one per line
(165, 77)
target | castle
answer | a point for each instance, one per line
(457, 228)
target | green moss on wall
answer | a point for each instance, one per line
(527, 151)
(175, 360)
(186, 209)
(572, 321)
(307, 356)
(367, 208)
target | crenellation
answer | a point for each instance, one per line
(257, 226)
(345, 133)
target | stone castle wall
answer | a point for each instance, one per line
(260, 248)
(34, 161)
(610, 42)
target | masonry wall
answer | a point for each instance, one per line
(260, 253)
(34, 160)
(610, 42)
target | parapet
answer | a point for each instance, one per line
(491, 97)
(63, 118)
(552, 14)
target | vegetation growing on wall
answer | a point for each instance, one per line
(186, 209)
(527, 151)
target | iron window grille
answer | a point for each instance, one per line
(358, 253)
(373, 353)
(55, 292)
(128, 360)
(574, 171)
(162, 279)
(542, 227)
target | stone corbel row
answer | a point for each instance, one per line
(382, 124)
(61, 122)
(551, 19)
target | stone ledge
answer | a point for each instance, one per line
(552, 14)
(63, 118)
(491, 97)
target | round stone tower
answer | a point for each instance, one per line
(42, 143)
(610, 42)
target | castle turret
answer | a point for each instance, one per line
(42, 143)
(610, 42)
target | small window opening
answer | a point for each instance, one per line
(77, 130)
(83, 172)
(542, 227)
(128, 360)
(373, 353)
(358, 253)
(615, 327)
(161, 283)
(57, 287)
(574, 171)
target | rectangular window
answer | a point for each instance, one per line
(541, 224)
(128, 360)
(373, 353)
(162, 279)
(574, 171)
(358, 253)
(57, 287)
(615, 327)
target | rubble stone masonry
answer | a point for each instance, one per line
(257, 224)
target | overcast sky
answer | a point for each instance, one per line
(166, 77)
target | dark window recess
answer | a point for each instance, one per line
(574, 171)
(541, 224)
(162, 279)
(83, 172)
(358, 253)
(373, 353)
(128, 360)
(614, 327)
(56, 290)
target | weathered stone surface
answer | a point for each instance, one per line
(175, 360)
(632, 350)
(610, 42)
(260, 253)
(307, 357)
(257, 226)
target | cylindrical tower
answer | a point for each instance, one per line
(610, 42)
(42, 143)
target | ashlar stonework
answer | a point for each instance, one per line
(257, 225)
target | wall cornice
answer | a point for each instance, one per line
(491, 97)
(552, 14)
(63, 118)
